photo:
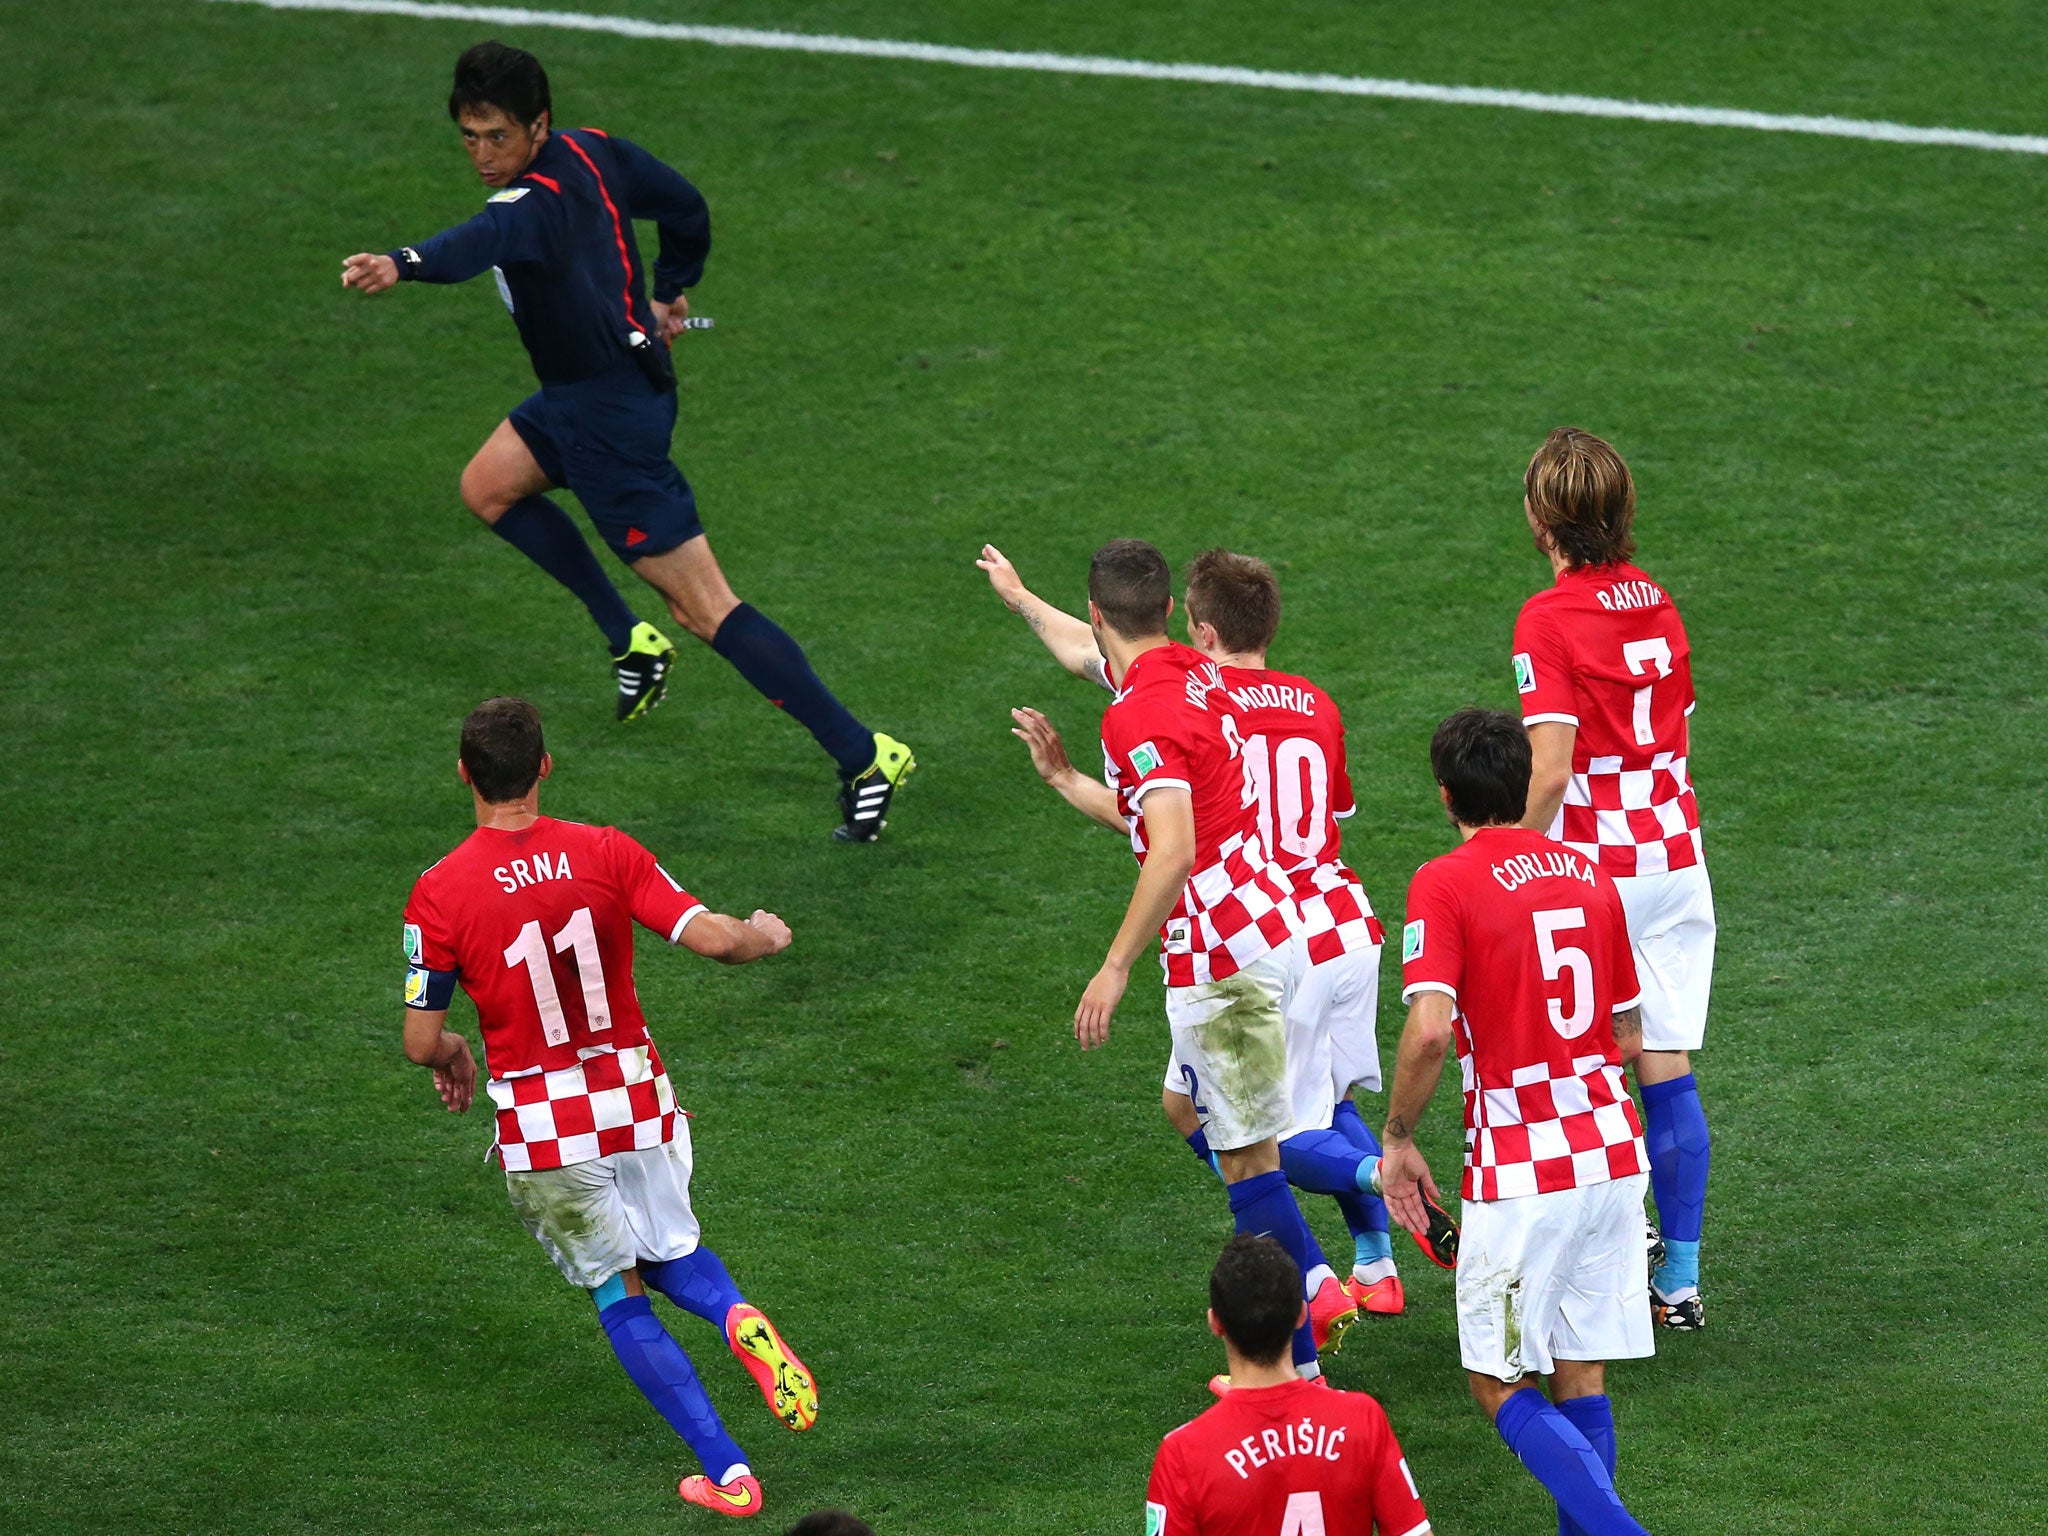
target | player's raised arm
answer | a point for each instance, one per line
(1091, 797)
(1070, 640)
(1169, 815)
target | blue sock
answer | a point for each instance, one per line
(1559, 1457)
(1323, 1163)
(1198, 1143)
(1593, 1417)
(697, 1282)
(1680, 1150)
(765, 656)
(1264, 1206)
(542, 532)
(1364, 1213)
(663, 1374)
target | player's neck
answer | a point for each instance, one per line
(507, 815)
(1120, 652)
(1245, 1373)
(1559, 562)
(1467, 833)
(1243, 661)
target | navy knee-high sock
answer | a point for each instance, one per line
(542, 532)
(1365, 1214)
(1593, 1417)
(1264, 1206)
(1680, 1150)
(1561, 1459)
(765, 656)
(663, 1374)
(697, 1282)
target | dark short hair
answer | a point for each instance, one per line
(1128, 580)
(502, 749)
(494, 75)
(831, 1522)
(1238, 594)
(1482, 757)
(1255, 1291)
(1582, 495)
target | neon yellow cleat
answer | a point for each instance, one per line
(643, 671)
(864, 798)
(789, 1390)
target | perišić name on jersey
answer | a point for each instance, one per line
(1307, 1438)
(1273, 696)
(1553, 863)
(532, 870)
(1626, 595)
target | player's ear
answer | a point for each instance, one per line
(547, 764)
(1215, 1323)
(462, 771)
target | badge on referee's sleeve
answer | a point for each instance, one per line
(509, 195)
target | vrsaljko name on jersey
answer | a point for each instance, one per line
(1558, 863)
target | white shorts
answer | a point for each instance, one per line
(1671, 928)
(600, 1218)
(1345, 991)
(1231, 1048)
(1561, 1276)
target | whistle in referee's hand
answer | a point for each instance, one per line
(653, 362)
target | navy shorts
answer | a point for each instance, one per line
(607, 440)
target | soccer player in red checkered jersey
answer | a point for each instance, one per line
(533, 917)
(1222, 912)
(1605, 675)
(1278, 1454)
(1293, 746)
(1517, 949)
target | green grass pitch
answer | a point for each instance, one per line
(255, 1281)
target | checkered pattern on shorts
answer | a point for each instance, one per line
(611, 1101)
(1636, 821)
(1541, 1133)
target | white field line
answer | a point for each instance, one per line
(1200, 74)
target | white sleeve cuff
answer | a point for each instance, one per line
(1550, 720)
(1345, 815)
(1149, 785)
(675, 934)
(1408, 992)
(1634, 1002)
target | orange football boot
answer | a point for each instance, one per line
(739, 1498)
(1330, 1311)
(790, 1391)
(1380, 1298)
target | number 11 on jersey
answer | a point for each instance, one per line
(579, 934)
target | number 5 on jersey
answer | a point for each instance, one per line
(580, 935)
(1558, 959)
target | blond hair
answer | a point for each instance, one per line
(1582, 496)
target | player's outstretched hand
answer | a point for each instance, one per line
(456, 1082)
(1098, 1003)
(1001, 574)
(1048, 752)
(1404, 1179)
(369, 272)
(771, 927)
(669, 318)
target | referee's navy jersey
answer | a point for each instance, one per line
(561, 237)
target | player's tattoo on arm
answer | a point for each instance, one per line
(1096, 670)
(1397, 1125)
(1628, 1025)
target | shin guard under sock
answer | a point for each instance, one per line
(1559, 1457)
(541, 531)
(1264, 1206)
(764, 654)
(1675, 1132)
(663, 1374)
(697, 1282)
(1593, 1417)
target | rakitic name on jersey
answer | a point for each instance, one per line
(533, 870)
(1524, 867)
(1624, 595)
(1270, 1445)
(1297, 701)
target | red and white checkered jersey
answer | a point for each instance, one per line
(538, 926)
(1297, 1458)
(1294, 754)
(1603, 650)
(1168, 727)
(1529, 940)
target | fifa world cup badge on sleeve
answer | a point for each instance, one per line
(412, 943)
(1144, 758)
(1411, 941)
(1155, 1518)
(415, 987)
(1525, 673)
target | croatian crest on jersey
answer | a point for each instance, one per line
(412, 942)
(1144, 758)
(509, 195)
(1411, 941)
(1525, 673)
(415, 987)
(1155, 1518)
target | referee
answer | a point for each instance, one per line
(557, 232)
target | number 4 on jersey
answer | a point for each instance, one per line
(1304, 1514)
(579, 934)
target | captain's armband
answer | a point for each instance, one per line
(429, 991)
